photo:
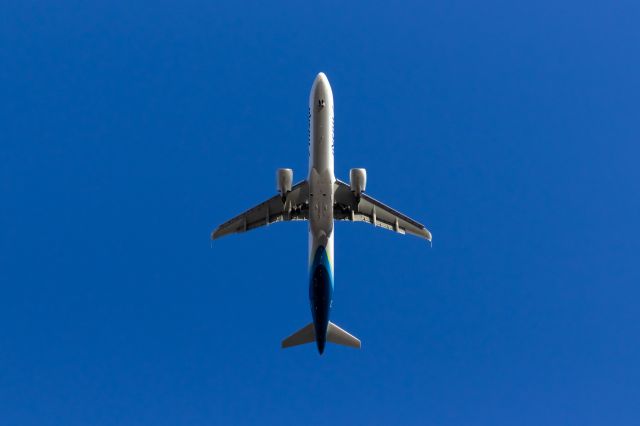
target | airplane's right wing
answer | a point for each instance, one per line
(294, 207)
(367, 209)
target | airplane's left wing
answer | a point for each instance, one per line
(294, 207)
(367, 209)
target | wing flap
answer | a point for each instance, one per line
(294, 207)
(370, 210)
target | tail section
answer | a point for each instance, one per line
(335, 335)
(340, 337)
(305, 335)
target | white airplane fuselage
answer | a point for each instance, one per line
(321, 183)
(321, 199)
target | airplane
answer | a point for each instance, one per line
(321, 199)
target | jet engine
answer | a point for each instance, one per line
(358, 181)
(284, 178)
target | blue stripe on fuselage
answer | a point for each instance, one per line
(320, 295)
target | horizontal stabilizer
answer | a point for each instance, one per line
(340, 337)
(306, 334)
(335, 334)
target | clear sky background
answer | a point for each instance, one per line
(129, 131)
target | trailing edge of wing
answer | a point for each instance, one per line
(294, 207)
(370, 210)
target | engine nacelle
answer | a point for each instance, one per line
(284, 179)
(358, 181)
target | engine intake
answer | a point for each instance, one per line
(284, 179)
(358, 181)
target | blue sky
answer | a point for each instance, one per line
(129, 131)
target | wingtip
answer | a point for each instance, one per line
(427, 235)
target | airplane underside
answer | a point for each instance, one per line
(320, 200)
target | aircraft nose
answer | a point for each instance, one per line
(321, 84)
(321, 91)
(321, 78)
